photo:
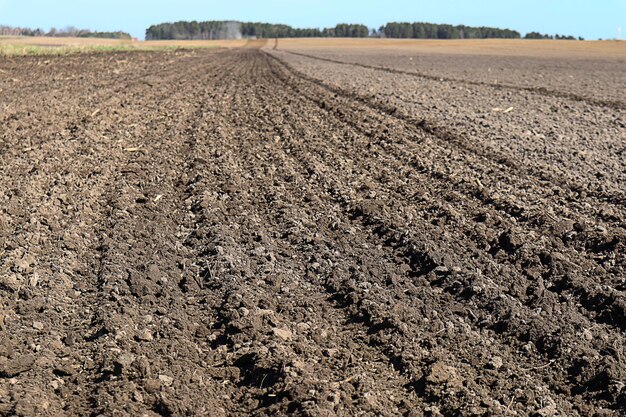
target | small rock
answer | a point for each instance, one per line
(303, 327)
(299, 364)
(511, 241)
(152, 385)
(56, 344)
(138, 397)
(547, 411)
(69, 340)
(441, 373)
(140, 286)
(10, 282)
(441, 269)
(432, 411)
(142, 365)
(154, 273)
(22, 265)
(371, 399)
(15, 366)
(34, 279)
(125, 360)
(38, 325)
(264, 312)
(6, 347)
(331, 352)
(166, 380)
(145, 335)
(63, 369)
(284, 333)
(496, 362)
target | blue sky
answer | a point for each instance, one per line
(591, 19)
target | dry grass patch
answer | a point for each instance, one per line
(17, 46)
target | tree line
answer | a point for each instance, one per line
(69, 31)
(421, 30)
(268, 30)
(185, 30)
(537, 35)
(209, 30)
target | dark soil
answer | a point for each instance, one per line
(252, 232)
(595, 78)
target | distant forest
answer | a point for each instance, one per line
(537, 35)
(236, 30)
(185, 30)
(420, 30)
(62, 33)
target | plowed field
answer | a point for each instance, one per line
(280, 231)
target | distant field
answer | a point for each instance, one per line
(198, 44)
(503, 47)
(510, 47)
(593, 69)
(10, 46)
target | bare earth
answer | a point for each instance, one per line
(314, 230)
